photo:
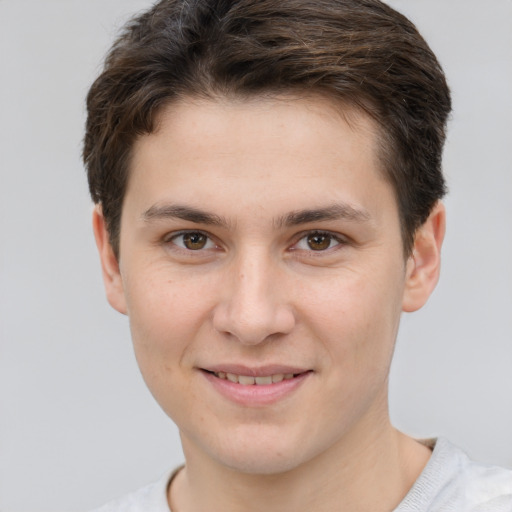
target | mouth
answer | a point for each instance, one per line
(249, 380)
(255, 387)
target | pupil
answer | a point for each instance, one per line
(194, 241)
(319, 242)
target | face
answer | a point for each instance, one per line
(262, 270)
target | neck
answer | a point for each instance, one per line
(364, 473)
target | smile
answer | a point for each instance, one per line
(248, 380)
(256, 387)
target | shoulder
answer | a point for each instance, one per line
(451, 481)
(152, 497)
(487, 488)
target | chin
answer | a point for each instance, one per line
(261, 463)
(260, 452)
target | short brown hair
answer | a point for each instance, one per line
(359, 52)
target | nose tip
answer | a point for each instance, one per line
(253, 311)
(253, 329)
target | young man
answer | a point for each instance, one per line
(267, 179)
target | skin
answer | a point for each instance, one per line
(269, 286)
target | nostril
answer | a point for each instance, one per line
(252, 309)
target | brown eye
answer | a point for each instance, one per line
(319, 241)
(192, 241)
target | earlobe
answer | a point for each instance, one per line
(109, 264)
(423, 266)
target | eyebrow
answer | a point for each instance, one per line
(189, 213)
(338, 211)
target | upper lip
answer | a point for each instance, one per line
(255, 371)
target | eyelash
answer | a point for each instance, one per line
(339, 241)
(171, 240)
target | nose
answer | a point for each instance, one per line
(254, 307)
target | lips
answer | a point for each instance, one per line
(249, 380)
(255, 375)
(250, 386)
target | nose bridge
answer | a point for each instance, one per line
(254, 306)
(253, 272)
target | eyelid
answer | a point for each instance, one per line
(170, 237)
(340, 239)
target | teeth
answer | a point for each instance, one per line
(264, 380)
(247, 380)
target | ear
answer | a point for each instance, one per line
(423, 266)
(109, 264)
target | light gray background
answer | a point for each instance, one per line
(77, 425)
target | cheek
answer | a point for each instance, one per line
(164, 324)
(356, 318)
(356, 323)
(165, 317)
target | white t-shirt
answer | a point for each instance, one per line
(450, 482)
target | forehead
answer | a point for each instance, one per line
(283, 149)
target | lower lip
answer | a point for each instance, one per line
(256, 395)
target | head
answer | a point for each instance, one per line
(260, 169)
(358, 53)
